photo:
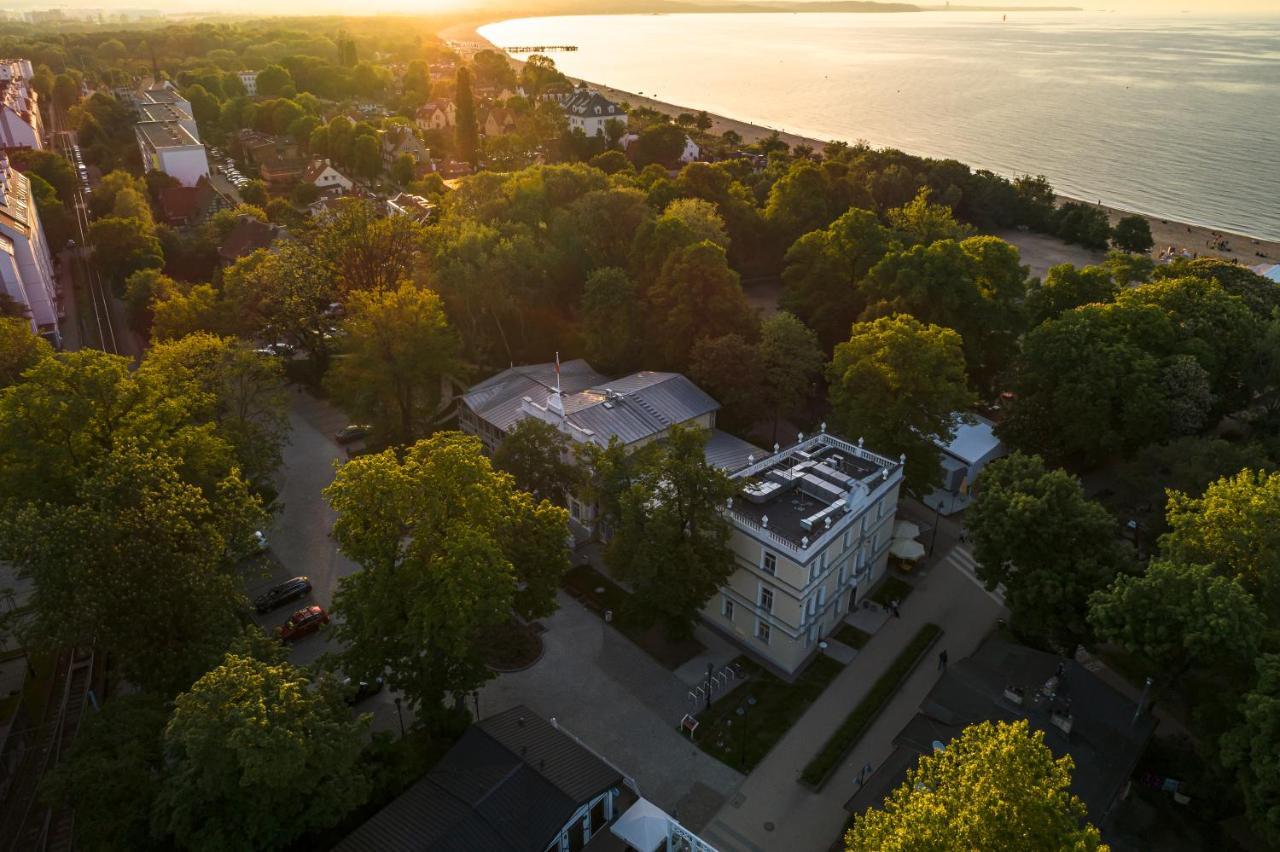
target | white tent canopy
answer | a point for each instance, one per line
(643, 826)
(905, 529)
(907, 549)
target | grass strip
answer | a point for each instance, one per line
(819, 770)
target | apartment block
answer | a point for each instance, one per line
(20, 123)
(26, 265)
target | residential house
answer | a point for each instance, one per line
(451, 170)
(185, 206)
(325, 206)
(590, 111)
(26, 265)
(811, 524)
(515, 782)
(691, 151)
(249, 79)
(402, 140)
(436, 115)
(1103, 731)
(20, 122)
(499, 122)
(414, 206)
(326, 178)
(248, 235)
(169, 147)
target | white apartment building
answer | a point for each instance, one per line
(20, 123)
(26, 266)
(249, 79)
(167, 146)
(812, 526)
(162, 93)
(153, 113)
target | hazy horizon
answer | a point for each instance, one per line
(507, 8)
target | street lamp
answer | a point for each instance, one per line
(475, 696)
(937, 513)
(742, 740)
(400, 715)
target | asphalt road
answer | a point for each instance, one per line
(299, 540)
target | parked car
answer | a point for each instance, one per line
(282, 593)
(351, 434)
(357, 692)
(304, 622)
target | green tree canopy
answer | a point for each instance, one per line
(670, 536)
(899, 383)
(448, 548)
(123, 246)
(538, 456)
(257, 755)
(398, 350)
(1133, 234)
(1177, 615)
(19, 349)
(728, 367)
(1034, 532)
(613, 318)
(996, 786)
(1252, 748)
(697, 295)
(790, 361)
(1066, 287)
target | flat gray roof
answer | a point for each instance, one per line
(167, 134)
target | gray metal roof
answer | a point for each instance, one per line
(509, 785)
(730, 453)
(630, 409)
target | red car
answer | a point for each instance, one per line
(302, 623)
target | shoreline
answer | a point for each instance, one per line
(1198, 239)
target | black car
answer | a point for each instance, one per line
(351, 434)
(357, 692)
(277, 596)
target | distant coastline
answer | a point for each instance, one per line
(689, 7)
(1166, 232)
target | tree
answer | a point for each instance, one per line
(922, 223)
(238, 390)
(1235, 527)
(799, 202)
(1034, 532)
(1082, 224)
(123, 246)
(257, 756)
(1176, 615)
(899, 384)
(697, 295)
(790, 361)
(537, 455)
(366, 250)
(1252, 748)
(446, 544)
(175, 314)
(402, 169)
(996, 786)
(823, 270)
(19, 350)
(286, 293)
(142, 290)
(1066, 287)
(465, 130)
(135, 565)
(613, 314)
(728, 367)
(273, 81)
(1133, 234)
(670, 534)
(493, 69)
(659, 143)
(205, 107)
(112, 774)
(399, 348)
(254, 192)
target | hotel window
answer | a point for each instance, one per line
(840, 576)
(727, 609)
(766, 599)
(762, 632)
(846, 538)
(770, 562)
(880, 509)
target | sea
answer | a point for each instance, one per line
(1177, 117)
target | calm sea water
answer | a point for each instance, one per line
(1177, 118)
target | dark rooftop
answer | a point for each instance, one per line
(1104, 739)
(509, 785)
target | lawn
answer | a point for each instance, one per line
(742, 741)
(583, 581)
(851, 636)
(818, 771)
(893, 588)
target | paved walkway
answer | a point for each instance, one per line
(772, 810)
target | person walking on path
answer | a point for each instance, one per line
(893, 607)
(942, 661)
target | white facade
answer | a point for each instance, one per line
(249, 79)
(590, 111)
(26, 265)
(328, 178)
(812, 527)
(691, 151)
(168, 147)
(20, 124)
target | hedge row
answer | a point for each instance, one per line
(819, 770)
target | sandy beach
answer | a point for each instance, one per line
(1038, 251)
